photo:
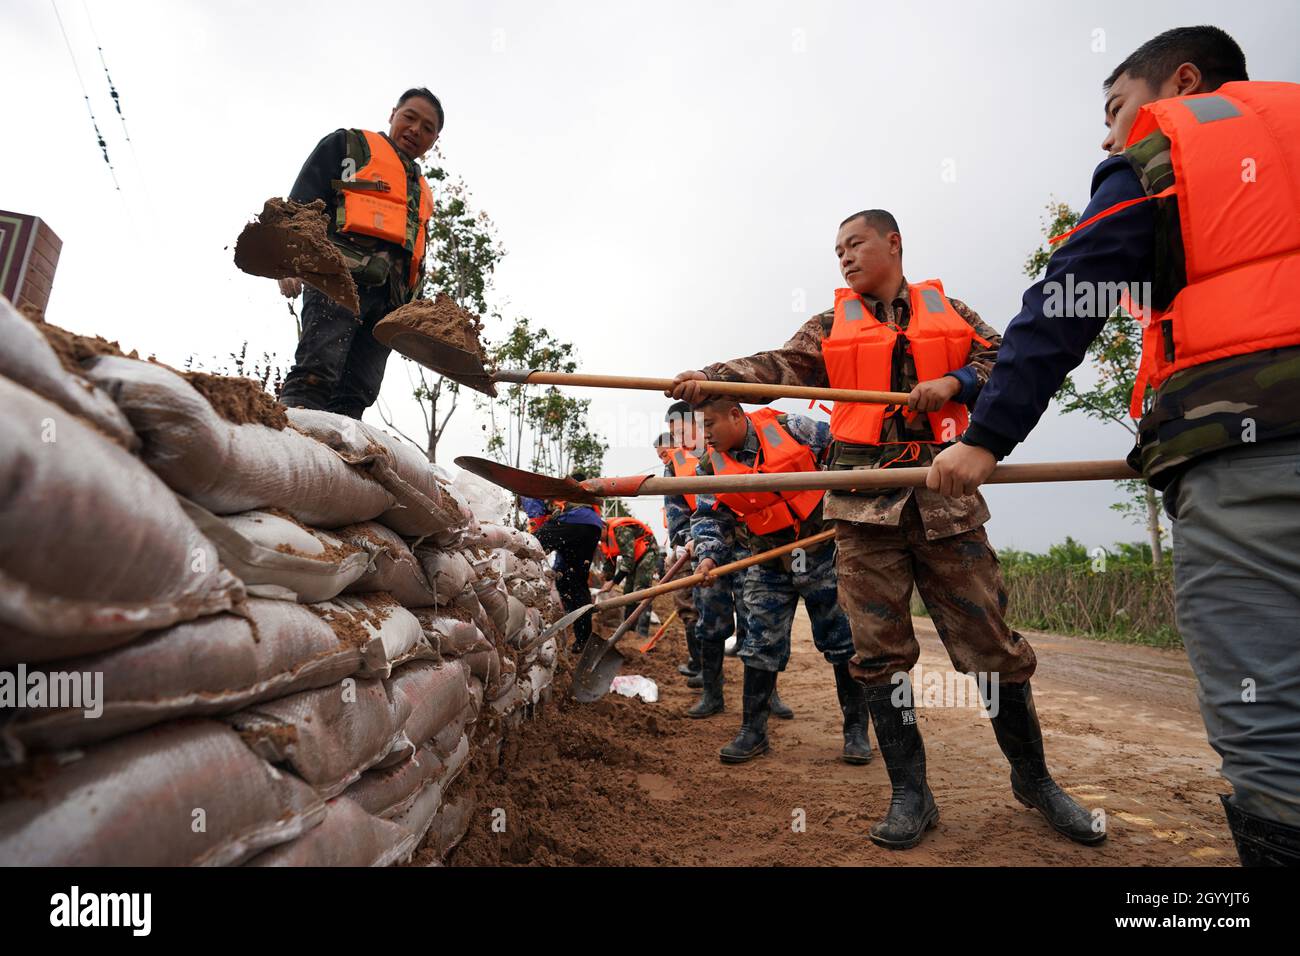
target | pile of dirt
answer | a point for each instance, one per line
(239, 400)
(442, 319)
(289, 239)
(73, 349)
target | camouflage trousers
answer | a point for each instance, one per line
(684, 602)
(960, 582)
(722, 607)
(771, 596)
(643, 573)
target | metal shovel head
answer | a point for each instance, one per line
(562, 623)
(526, 483)
(443, 358)
(597, 667)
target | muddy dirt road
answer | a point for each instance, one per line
(623, 782)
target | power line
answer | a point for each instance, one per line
(112, 90)
(103, 146)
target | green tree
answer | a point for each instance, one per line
(1115, 354)
(544, 431)
(462, 253)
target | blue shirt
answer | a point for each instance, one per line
(1039, 351)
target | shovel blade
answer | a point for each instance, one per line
(447, 360)
(526, 483)
(596, 669)
(564, 622)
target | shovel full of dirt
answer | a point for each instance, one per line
(442, 336)
(600, 661)
(291, 240)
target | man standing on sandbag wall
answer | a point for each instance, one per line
(379, 206)
(573, 532)
(1199, 204)
(632, 548)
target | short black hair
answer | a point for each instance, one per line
(717, 401)
(663, 440)
(425, 94)
(881, 220)
(678, 410)
(1213, 52)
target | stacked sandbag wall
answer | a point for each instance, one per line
(231, 634)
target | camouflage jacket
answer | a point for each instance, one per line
(625, 538)
(1214, 405)
(800, 362)
(677, 514)
(719, 532)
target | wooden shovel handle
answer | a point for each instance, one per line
(694, 579)
(738, 389)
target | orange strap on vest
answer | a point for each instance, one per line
(375, 202)
(766, 512)
(684, 465)
(859, 353)
(1236, 160)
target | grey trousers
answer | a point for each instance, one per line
(1237, 581)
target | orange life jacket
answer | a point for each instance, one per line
(684, 464)
(859, 353)
(375, 202)
(766, 512)
(1236, 157)
(609, 544)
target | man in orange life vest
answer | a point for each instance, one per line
(1220, 248)
(762, 442)
(379, 206)
(718, 611)
(886, 334)
(631, 547)
(674, 457)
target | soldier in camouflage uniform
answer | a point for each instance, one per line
(339, 365)
(719, 610)
(888, 542)
(677, 521)
(623, 538)
(772, 590)
(1221, 435)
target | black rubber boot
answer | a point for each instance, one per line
(711, 701)
(912, 809)
(1021, 739)
(853, 704)
(1261, 842)
(778, 708)
(752, 739)
(692, 665)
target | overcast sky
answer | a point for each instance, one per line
(666, 177)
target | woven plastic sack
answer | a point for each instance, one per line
(348, 836)
(393, 567)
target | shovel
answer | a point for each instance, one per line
(468, 369)
(591, 491)
(600, 660)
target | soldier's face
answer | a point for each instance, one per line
(664, 454)
(1128, 94)
(866, 256)
(413, 126)
(724, 428)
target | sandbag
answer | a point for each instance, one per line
(448, 572)
(390, 791)
(27, 360)
(491, 594)
(449, 826)
(393, 567)
(214, 665)
(492, 536)
(432, 695)
(276, 556)
(386, 633)
(94, 549)
(348, 836)
(421, 505)
(328, 736)
(517, 618)
(184, 793)
(450, 635)
(229, 468)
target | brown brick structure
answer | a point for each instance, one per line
(29, 254)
